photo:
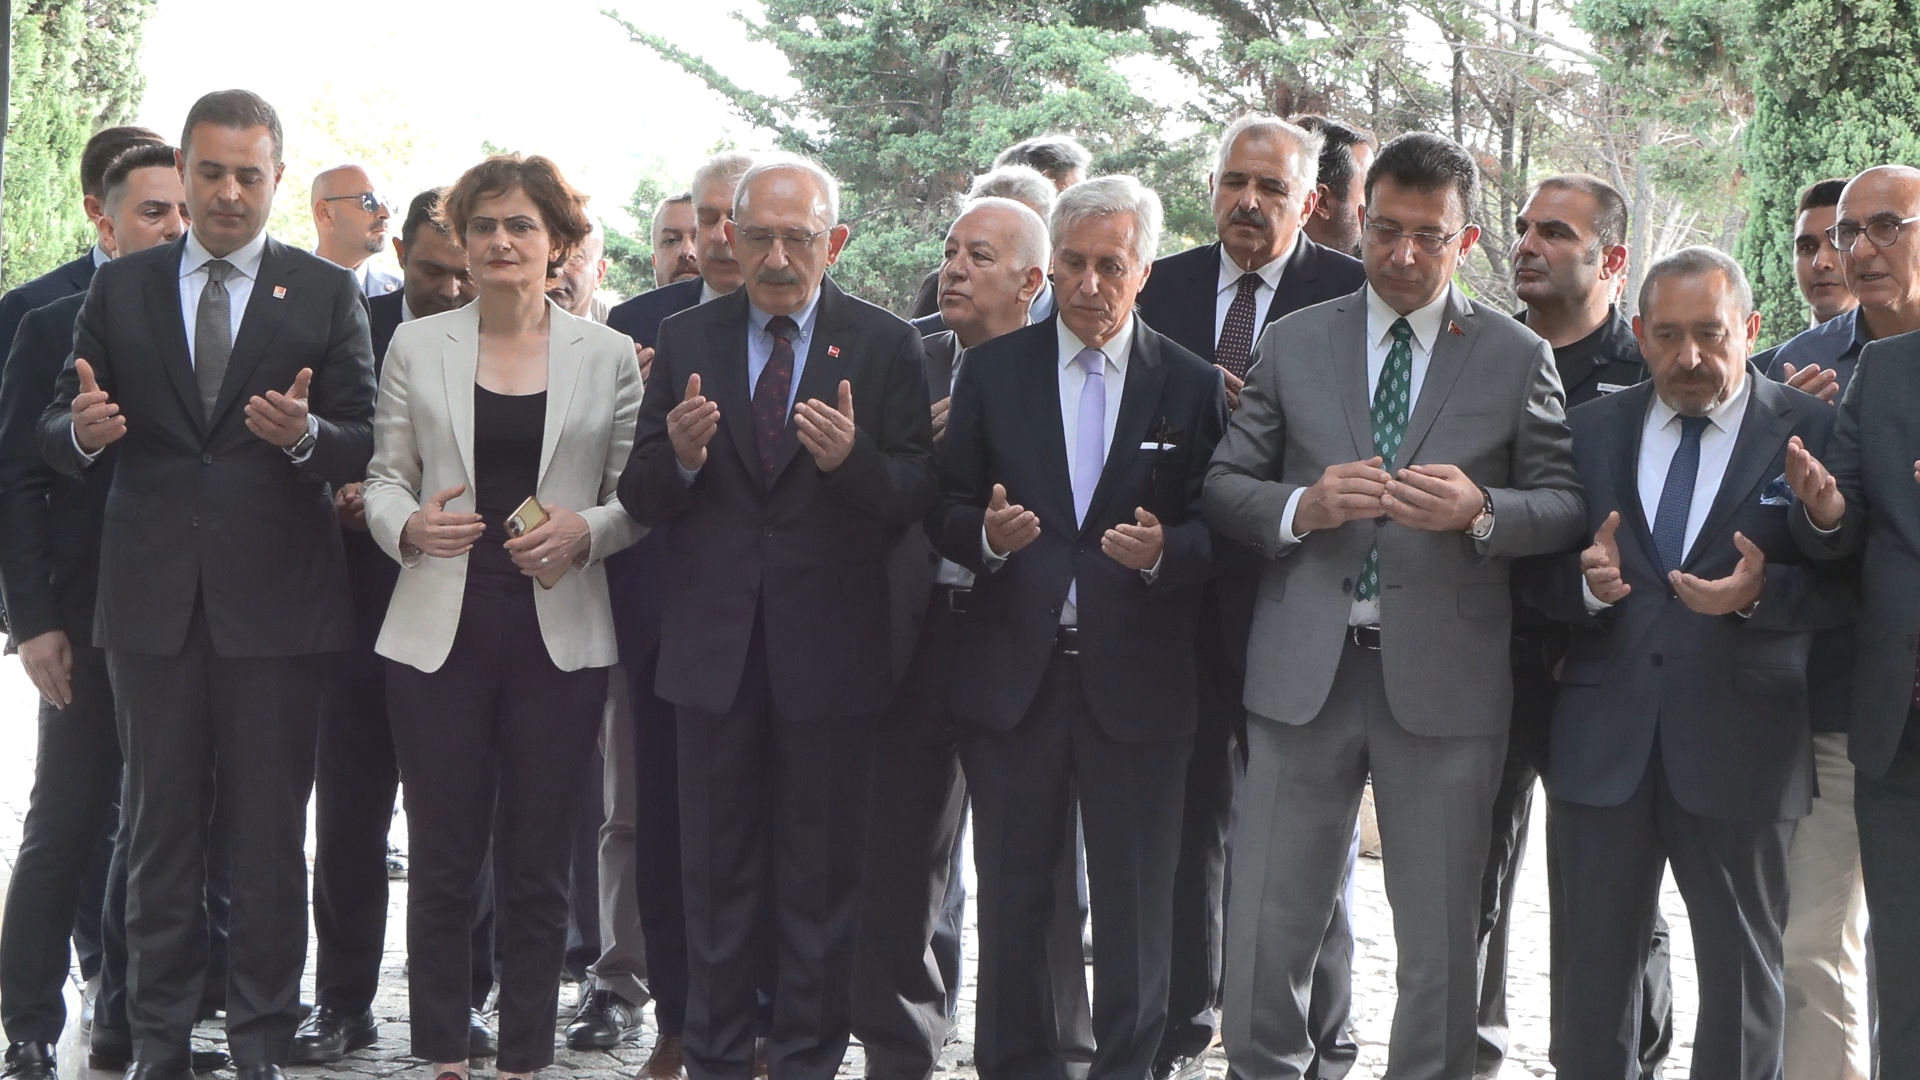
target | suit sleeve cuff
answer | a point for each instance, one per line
(87, 457)
(1594, 604)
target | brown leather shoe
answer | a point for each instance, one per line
(665, 1062)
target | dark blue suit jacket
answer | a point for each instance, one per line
(1725, 698)
(1136, 639)
(63, 280)
(640, 317)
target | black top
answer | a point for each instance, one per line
(507, 429)
(1604, 362)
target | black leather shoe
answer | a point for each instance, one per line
(331, 1034)
(604, 1021)
(141, 1070)
(30, 1061)
(261, 1072)
(481, 1042)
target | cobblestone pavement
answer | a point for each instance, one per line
(1373, 964)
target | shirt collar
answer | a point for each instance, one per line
(1425, 320)
(803, 318)
(1042, 304)
(246, 261)
(1271, 273)
(1862, 334)
(100, 257)
(707, 292)
(1721, 417)
(1117, 348)
(406, 311)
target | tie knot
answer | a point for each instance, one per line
(1691, 427)
(1093, 362)
(782, 327)
(1402, 331)
(218, 269)
(1249, 281)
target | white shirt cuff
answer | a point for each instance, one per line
(1287, 535)
(86, 457)
(1594, 604)
(993, 561)
(1817, 529)
(687, 476)
(1152, 573)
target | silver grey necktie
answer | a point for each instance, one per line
(213, 335)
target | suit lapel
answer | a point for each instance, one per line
(940, 353)
(724, 380)
(1445, 361)
(163, 309)
(258, 326)
(564, 359)
(1303, 268)
(1764, 429)
(1623, 461)
(1139, 401)
(459, 363)
(1348, 332)
(1049, 433)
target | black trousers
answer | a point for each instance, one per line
(1887, 808)
(771, 812)
(656, 843)
(1214, 771)
(1733, 876)
(497, 721)
(73, 809)
(906, 970)
(257, 717)
(1131, 794)
(1534, 657)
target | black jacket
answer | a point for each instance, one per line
(1136, 639)
(805, 556)
(206, 513)
(63, 280)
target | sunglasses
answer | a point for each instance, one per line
(370, 201)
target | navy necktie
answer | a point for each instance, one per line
(1676, 498)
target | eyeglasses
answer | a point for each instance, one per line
(1880, 232)
(1429, 243)
(370, 201)
(761, 238)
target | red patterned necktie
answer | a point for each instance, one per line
(1235, 350)
(770, 394)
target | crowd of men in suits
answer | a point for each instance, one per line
(1146, 565)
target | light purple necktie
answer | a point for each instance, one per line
(1089, 440)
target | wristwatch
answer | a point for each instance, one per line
(1482, 527)
(301, 448)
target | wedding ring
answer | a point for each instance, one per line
(543, 560)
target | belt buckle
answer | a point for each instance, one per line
(1367, 637)
(1067, 640)
(959, 599)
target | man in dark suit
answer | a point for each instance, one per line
(1680, 731)
(1569, 257)
(1061, 160)
(636, 579)
(1866, 498)
(783, 509)
(355, 775)
(1214, 300)
(72, 277)
(907, 962)
(49, 560)
(1073, 666)
(222, 582)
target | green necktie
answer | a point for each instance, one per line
(1391, 402)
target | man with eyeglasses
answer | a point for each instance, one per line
(350, 216)
(1394, 451)
(1877, 233)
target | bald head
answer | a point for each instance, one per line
(349, 214)
(1879, 213)
(995, 264)
(580, 276)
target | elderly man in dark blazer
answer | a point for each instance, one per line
(1681, 734)
(787, 446)
(1215, 300)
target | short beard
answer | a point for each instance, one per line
(375, 245)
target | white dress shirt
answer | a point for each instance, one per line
(240, 281)
(1425, 322)
(1072, 377)
(1042, 304)
(1229, 287)
(1659, 440)
(707, 292)
(952, 573)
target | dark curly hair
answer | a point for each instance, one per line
(563, 210)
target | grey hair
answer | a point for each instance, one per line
(1030, 236)
(1306, 154)
(1055, 156)
(1021, 183)
(728, 165)
(829, 187)
(1117, 194)
(1693, 261)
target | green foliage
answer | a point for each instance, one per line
(1837, 91)
(630, 255)
(74, 72)
(906, 100)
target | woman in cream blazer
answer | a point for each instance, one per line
(498, 647)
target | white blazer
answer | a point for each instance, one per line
(423, 444)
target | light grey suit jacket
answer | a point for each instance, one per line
(1491, 404)
(423, 444)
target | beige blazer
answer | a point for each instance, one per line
(423, 444)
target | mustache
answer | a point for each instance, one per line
(777, 277)
(1254, 218)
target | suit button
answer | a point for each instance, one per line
(1346, 585)
(1054, 611)
(1658, 660)
(1079, 549)
(206, 459)
(769, 534)
(196, 522)
(1382, 519)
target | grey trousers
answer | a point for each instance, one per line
(622, 966)
(1434, 798)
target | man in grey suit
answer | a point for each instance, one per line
(1681, 734)
(1393, 452)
